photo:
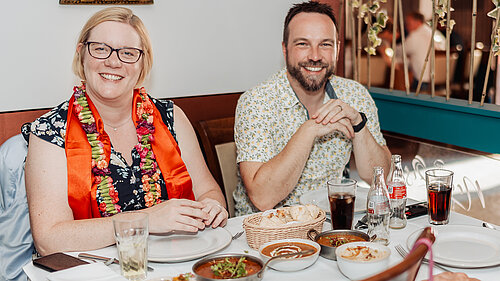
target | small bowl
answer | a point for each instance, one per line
(328, 252)
(209, 259)
(359, 269)
(291, 264)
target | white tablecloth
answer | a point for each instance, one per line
(323, 269)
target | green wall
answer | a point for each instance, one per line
(453, 122)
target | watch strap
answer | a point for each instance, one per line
(361, 124)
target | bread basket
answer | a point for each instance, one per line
(258, 235)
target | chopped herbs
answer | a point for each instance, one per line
(337, 241)
(230, 270)
(183, 277)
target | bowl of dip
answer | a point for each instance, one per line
(358, 260)
(285, 246)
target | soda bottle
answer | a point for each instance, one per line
(377, 208)
(397, 193)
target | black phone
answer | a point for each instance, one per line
(57, 261)
(416, 210)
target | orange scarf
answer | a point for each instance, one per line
(81, 185)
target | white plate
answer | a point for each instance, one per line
(320, 198)
(184, 247)
(464, 246)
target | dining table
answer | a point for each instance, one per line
(322, 269)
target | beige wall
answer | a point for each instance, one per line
(201, 47)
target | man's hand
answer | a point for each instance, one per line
(343, 125)
(335, 110)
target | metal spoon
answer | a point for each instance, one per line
(306, 252)
(489, 225)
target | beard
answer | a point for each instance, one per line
(311, 83)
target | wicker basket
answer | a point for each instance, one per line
(258, 235)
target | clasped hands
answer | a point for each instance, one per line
(186, 215)
(336, 115)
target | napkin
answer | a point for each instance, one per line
(93, 271)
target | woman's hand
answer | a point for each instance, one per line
(178, 215)
(455, 276)
(217, 215)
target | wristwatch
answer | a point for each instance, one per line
(361, 124)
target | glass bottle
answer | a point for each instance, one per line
(397, 193)
(378, 209)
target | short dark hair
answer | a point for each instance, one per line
(417, 16)
(307, 7)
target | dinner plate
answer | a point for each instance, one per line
(320, 198)
(184, 247)
(463, 246)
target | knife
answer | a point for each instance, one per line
(95, 257)
(362, 223)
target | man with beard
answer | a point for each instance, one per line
(297, 130)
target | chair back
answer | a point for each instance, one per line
(410, 264)
(217, 141)
(226, 154)
(378, 71)
(440, 68)
(478, 54)
(16, 242)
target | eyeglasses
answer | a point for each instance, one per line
(103, 51)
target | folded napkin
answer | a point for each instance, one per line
(93, 271)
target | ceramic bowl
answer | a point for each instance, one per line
(291, 264)
(358, 269)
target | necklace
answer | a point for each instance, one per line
(119, 126)
(107, 195)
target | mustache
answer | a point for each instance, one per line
(312, 63)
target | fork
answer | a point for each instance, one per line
(237, 235)
(402, 251)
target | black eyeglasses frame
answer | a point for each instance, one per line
(141, 52)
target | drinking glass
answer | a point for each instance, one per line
(131, 234)
(439, 184)
(342, 195)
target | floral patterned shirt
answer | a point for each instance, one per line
(51, 127)
(268, 115)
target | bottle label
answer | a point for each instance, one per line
(380, 208)
(397, 191)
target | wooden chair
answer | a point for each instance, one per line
(217, 141)
(378, 71)
(410, 264)
(440, 71)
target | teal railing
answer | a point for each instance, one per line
(453, 122)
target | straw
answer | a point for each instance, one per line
(433, 50)
(490, 57)
(448, 34)
(353, 40)
(431, 46)
(359, 42)
(472, 47)
(368, 26)
(393, 59)
(405, 62)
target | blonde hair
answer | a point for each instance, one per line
(118, 14)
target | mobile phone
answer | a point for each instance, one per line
(416, 210)
(57, 261)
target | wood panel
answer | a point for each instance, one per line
(196, 108)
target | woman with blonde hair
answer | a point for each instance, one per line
(113, 148)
